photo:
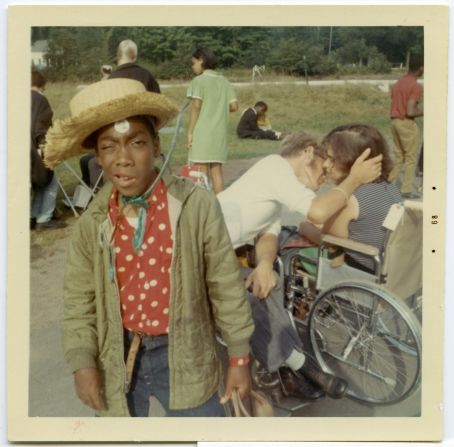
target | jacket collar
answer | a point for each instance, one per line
(179, 189)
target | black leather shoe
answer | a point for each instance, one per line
(333, 386)
(298, 386)
(50, 225)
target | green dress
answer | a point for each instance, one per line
(209, 139)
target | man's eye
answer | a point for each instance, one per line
(138, 142)
(106, 147)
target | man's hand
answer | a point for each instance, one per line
(366, 171)
(237, 377)
(262, 280)
(89, 388)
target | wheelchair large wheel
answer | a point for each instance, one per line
(363, 334)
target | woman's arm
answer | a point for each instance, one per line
(310, 231)
(196, 105)
(338, 224)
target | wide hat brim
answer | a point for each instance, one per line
(64, 139)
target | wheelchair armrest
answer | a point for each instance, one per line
(359, 247)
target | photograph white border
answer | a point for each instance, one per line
(426, 427)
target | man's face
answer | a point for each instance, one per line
(197, 65)
(333, 173)
(315, 173)
(126, 151)
(308, 168)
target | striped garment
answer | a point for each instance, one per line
(374, 200)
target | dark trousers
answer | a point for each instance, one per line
(258, 134)
(274, 337)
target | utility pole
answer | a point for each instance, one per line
(330, 39)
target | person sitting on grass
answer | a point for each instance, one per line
(151, 273)
(254, 123)
(361, 220)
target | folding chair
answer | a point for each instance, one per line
(82, 193)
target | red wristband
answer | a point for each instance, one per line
(239, 361)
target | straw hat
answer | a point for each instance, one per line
(98, 105)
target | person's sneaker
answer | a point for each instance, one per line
(50, 225)
(410, 196)
(297, 386)
(334, 387)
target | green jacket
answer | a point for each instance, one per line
(206, 292)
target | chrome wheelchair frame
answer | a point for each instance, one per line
(357, 327)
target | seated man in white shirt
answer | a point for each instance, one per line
(252, 208)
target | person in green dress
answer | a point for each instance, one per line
(212, 99)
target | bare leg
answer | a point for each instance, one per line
(203, 167)
(217, 177)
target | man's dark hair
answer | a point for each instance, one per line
(38, 80)
(262, 105)
(209, 59)
(416, 62)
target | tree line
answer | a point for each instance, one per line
(76, 53)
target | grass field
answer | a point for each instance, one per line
(313, 109)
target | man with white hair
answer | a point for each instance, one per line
(128, 68)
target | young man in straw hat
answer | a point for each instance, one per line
(151, 271)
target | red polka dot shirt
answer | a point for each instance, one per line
(143, 277)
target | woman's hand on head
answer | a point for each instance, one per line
(366, 170)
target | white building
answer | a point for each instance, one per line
(39, 50)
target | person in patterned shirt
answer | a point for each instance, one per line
(151, 271)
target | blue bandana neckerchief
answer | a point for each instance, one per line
(141, 202)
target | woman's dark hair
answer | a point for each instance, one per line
(38, 80)
(209, 59)
(349, 142)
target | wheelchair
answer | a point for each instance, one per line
(364, 327)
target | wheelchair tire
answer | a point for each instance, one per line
(360, 332)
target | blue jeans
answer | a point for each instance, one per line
(44, 200)
(151, 377)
